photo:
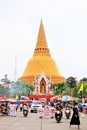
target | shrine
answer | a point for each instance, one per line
(42, 85)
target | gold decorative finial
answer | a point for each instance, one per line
(41, 46)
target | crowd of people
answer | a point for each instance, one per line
(10, 108)
(73, 106)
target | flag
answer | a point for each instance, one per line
(17, 97)
(81, 88)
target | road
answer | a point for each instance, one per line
(33, 122)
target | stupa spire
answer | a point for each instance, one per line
(41, 62)
(41, 46)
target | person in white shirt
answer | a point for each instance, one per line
(12, 107)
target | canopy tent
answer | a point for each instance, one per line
(24, 98)
(40, 96)
(66, 98)
(36, 97)
(12, 100)
(84, 98)
(1, 98)
(54, 98)
(58, 97)
(23, 101)
(77, 99)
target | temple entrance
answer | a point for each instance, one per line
(43, 86)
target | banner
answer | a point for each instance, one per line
(17, 97)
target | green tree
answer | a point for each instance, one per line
(71, 83)
(59, 88)
(83, 80)
(4, 91)
(75, 92)
(21, 88)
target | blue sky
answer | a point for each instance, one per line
(65, 24)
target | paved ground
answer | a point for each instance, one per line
(32, 122)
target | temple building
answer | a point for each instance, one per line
(41, 70)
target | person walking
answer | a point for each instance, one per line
(12, 107)
(75, 116)
(21, 106)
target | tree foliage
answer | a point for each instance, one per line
(83, 80)
(59, 88)
(21, 88)
(71, 82)
(4, 91)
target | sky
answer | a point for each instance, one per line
(65, 24)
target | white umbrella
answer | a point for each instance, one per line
(66, 98)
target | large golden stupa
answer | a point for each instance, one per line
(41, 62)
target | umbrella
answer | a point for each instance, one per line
(54, 98)
(59, 97)
(23, 101)
(24, 97)
(2, 98)
(66, 98)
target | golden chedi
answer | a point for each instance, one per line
(41, 62)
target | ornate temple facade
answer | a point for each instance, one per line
(41, 70)
(42, 85)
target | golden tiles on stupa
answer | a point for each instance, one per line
(41, 62)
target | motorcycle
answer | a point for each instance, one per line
(67, 113)
(25, 113)
(58, 116)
